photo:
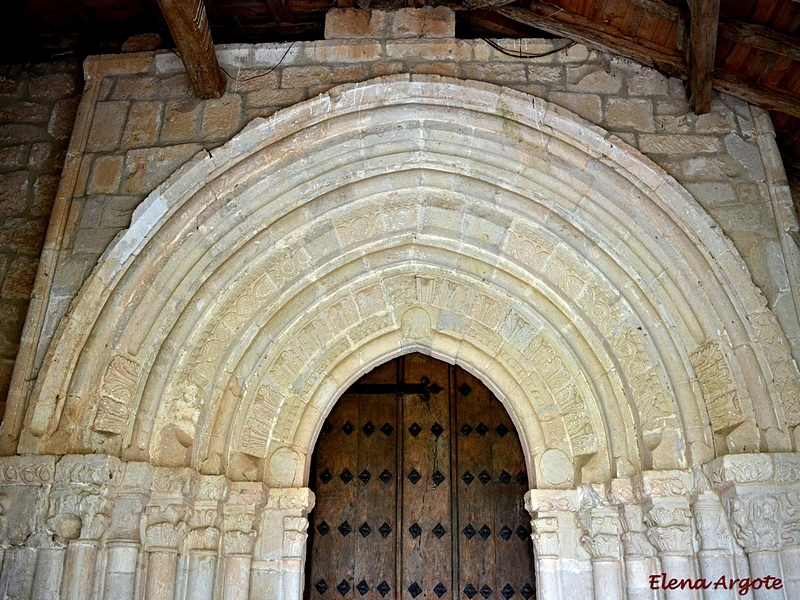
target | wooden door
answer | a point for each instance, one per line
(419, 477)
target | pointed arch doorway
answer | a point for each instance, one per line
(419, 477)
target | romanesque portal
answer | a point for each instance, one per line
(652, 389)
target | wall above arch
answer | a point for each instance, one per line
(481, 225)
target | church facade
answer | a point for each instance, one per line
(620, 273)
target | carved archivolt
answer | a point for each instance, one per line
(464, 220)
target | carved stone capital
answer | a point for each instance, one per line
(95, 469)
(547, 501)
(662, 484)
(294, 536)
(602, 546)
(79, 512)
(165, 536)
(764, 522)
(545, 537)
(291, 499)
(669, 527)
(636, 545)
(238, 543)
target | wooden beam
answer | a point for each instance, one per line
(756, 93)
(188, 24)
(762, 38)
(702, 50)
(596, 35)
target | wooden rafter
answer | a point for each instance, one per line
(595, 35)
(188, 24)
(762, 38)
(702, 50)
(756, 94)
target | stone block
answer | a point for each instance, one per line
(18, 282)
(352, 23)
(587, 106)
(23, 235)
(106, 175)
(176, 86)
(221, 117)
(147, 167)
(494, 72)
(52, 85)
(41, 155)
(543, 74)
(144, 122)
(344, 51)
(382, 69)
(44, 194)
(108, 124)
(275, 97)
(432, 50)
(674, 144)
(594, 79)
(442, 69)
(14, 133)
(25, 112)
(135, 88)
(13, 157)
(300, 77)
(426, 22)
(62, 118)
(713, 193)
(14, 189)
(630, 113)
(648, 82)
(181, 120)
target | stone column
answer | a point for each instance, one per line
(563, 568)
(81, 502)
(669, 527)
(123, 539)
(716, 555)
(167, 515)
(204, 537)
(24, 487)
(241, 513)
(762, 495)
(757, 525)
(279, 557)
(639, 556)
(601, 528)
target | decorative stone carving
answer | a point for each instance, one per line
(669, 529)
(260, 421)
(27, 470)
(718, 386)
(294, 536)
(204, 533)
(766, 522)
(740, 468)
(117, 390)
(545, 537)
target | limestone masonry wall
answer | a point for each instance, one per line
(147, 122)
(37, 110)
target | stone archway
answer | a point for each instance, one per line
(477, 224)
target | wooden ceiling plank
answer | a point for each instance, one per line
(702, 50)
(281, 10)
(595, 35)
(756, 94)
(662, 9)
(188, 24)
(763, 38)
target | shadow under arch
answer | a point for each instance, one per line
(555, 262)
